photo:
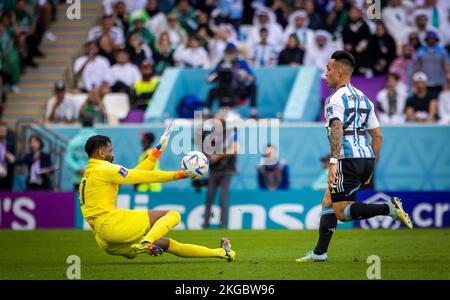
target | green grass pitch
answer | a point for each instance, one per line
(267, 254)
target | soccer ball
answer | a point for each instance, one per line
(195, 161)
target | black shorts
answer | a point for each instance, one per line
(352, 173)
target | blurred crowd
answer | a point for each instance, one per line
(137, 40)
(24, 25)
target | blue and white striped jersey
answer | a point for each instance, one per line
(356, 112)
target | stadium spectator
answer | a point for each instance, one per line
(145, 87)
(130, 5)
(298, 25)
(163, 54)
(421, 24)
(355, 35)
(273, 172)
(24, 28)
(203, 22)
(107, 27)
(11, 68)
(147, 140)
(121, 16)
(137, 50)
(222, 156)
(151, 15)
(91, 70)
(264, 54)
(382, 49)
(432, 60)
(62, 108)
(403, 65)
(105, 48)
(336, 18)
(94, 107)
(444, 103)
(392, 101)
(315, 21)
(39, 165)
(177, 34)
(166, 6)
(320, 52)
(291, 55)
(414, 41)
(280, 9)
(434, 13)
(144, 35)
(75, 157)
(204, 33)
(192, 55)
(444, 32)
(321, 182)
(45, 10)
(222, 35)
(2, 89)
(265, 18)
(124, 74)
(444, 9)
(186, 15)
(230, 11)
(7, 157)
(395, 17)
(234, 81)
(421, 106)
(205, 6)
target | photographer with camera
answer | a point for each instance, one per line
(221, 146)
(235, 82)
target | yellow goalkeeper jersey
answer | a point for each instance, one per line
(100, 183)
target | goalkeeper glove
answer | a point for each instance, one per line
(192, 174)
(164, 140)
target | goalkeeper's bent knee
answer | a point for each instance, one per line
(175, 215)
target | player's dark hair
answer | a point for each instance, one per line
(345, 58)
(96, 142)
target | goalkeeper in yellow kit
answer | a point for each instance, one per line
(130, 232)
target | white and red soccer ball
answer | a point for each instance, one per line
(195, 161)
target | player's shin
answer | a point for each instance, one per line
(193, 251)
(162, 226)
(328, 222)
(362, 211)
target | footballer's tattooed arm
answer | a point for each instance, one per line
(336, 133)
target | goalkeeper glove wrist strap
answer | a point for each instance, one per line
(180, 175)
(156, 153)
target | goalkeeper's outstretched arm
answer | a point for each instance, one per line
(120, 175)
(150, 161)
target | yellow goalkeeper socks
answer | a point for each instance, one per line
(192, 251)
(162, 226)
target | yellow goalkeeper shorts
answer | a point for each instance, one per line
(117, 230)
